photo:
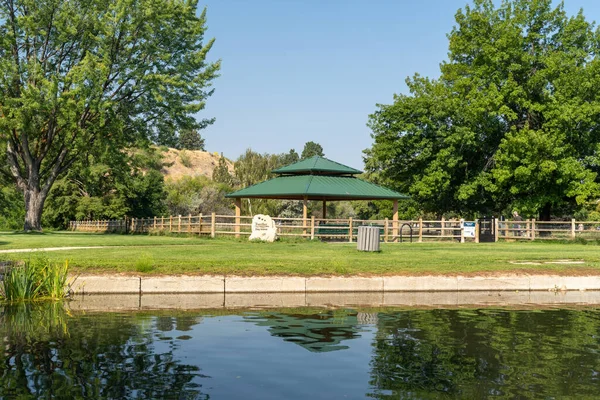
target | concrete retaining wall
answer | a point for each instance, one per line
(104, 284)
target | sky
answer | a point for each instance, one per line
(313, 70)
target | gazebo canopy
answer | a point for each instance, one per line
(317, 178)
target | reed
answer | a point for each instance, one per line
(35, 279)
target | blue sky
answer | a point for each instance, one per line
(301, 70)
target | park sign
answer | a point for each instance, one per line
(469, 229)
(263, 228)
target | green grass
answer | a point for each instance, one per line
(12, 240)
(191, 255)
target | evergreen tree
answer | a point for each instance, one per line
(190, 139)
(221, 173)
(312, 149)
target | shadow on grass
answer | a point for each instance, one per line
(32, 233)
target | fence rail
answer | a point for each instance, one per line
(344, 229)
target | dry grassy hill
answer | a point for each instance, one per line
(180, 163)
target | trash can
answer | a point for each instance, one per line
(368, 238)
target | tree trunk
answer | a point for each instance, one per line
(546, 212)
(34, 204)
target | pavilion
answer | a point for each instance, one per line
(316, 178)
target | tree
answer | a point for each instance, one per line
(81, 76)
(108, 186)
(221, 173)
(190, 139)
(312, 149)
(251, 168)
(513, 120)
(195, 195)
(289, 158)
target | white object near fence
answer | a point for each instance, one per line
(368, 238)
(263, 228)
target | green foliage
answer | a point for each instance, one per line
(80, 77)
(12, 208)
(289, 158)
(109, 186)
(513, 121)
(190, 139)
(197, 195)
(35, 279)
(221, 173)
(312, 149)
(252, 168)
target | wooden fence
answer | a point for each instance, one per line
(344, 229)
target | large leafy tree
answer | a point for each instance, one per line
(79, 76)
(513, 120)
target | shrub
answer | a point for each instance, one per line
(184, 156)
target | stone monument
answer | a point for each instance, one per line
(263, 228)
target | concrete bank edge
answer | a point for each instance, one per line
(105, 284)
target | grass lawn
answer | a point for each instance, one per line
(136, 254)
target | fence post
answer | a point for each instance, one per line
(572, 228)
(199, 224)
(170, 223)
(476, 231)
(213, 225)
(533, 229)
(443, 230)
(190, 223)
(312, 227)
(154, 226)
(462, 230)
(350, 229)
(179, 223)
(98, 225)
(385, 230)
(420, 230)
(133, 225)
(496, 230)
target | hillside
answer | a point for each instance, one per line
(180, 163)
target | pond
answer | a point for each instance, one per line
(50, 351)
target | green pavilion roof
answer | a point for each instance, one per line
(317, 187)
(316, 165)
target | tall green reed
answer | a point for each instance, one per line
(35, 279)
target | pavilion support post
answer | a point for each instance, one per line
(324, 209)
(304, 214)
(395, 222)
(238, 213)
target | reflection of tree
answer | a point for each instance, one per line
(94, 356)
(320, 332)
(476, 354)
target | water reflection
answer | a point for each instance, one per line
(47, 352)
(482, 353)
(317, 332)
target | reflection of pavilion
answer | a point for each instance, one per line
(317, 333)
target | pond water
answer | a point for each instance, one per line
(48, 351)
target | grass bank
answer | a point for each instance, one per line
(134, 254)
